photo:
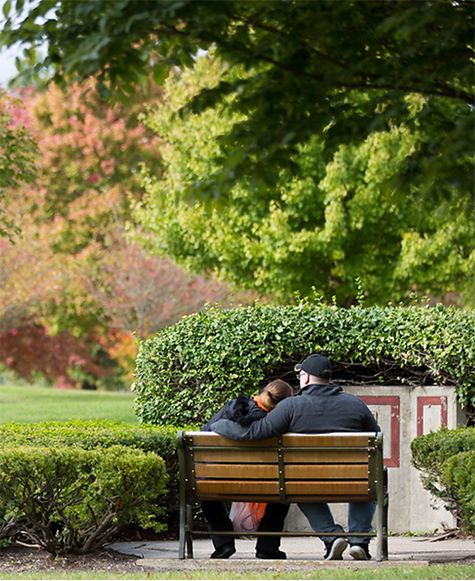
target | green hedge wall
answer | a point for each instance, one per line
(188, 371)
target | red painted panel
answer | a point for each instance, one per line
(438, 400)
(393, 401)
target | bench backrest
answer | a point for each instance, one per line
(336, 467)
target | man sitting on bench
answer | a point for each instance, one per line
(319, 408)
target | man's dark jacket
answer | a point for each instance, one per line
(316, 409)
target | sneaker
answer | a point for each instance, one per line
(360, 552)
(335, 549)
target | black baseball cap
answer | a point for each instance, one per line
(315, 365)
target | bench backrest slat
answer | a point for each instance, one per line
(217, 455)
(336, 467)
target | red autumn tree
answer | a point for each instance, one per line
(75, 280)
(141, 293)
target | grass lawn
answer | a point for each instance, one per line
(392, 572)
(29, 403)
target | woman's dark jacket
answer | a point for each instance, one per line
(243, 410)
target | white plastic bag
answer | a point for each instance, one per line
(246, 516)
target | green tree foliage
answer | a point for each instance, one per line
(350, 83)
(306, 61)
(317, 231)
(17, 159)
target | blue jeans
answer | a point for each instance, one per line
(360, 516)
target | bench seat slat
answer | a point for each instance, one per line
(290, 456)
(239, 456)
(330, 488)
(260, 487)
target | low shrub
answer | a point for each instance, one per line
(188, 371)
(67, 499)
(458, 473)
(102, 434)
(438, 456)
(91, 434)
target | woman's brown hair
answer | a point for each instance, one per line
(274, 392)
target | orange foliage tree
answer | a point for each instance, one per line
(75, 288)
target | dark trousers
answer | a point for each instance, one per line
(216, 514)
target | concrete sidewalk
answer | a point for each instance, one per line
(302, 553)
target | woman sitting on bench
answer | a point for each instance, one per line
(245, 410)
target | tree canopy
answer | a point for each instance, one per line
(315, 233)
(305, 63)
(334, 140)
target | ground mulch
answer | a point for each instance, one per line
(18, 559)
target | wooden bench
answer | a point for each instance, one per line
(336, 467)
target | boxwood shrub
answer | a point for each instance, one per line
(101, 435)
(446, 461)
(188, 371)
(67, 499)
(459, 473)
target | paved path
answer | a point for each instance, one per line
(416, 551)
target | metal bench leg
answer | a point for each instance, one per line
(185, 538)
(382, 521)
(189, 537)
(181, 540)
(385, 521)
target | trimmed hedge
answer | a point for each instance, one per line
(67, 499)
(101, 438)
(188, 371)
(446, 461)
(91, 434)
(459, 473)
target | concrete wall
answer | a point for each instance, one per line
(403, 413)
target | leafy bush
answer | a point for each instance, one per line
(459, 474)
(91, 435)
(438, 456)
(69, 499)
(188, 371)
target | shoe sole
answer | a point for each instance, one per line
(359, 554)
(337, 550)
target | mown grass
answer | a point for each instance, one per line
(31, 403)
(387, 572)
